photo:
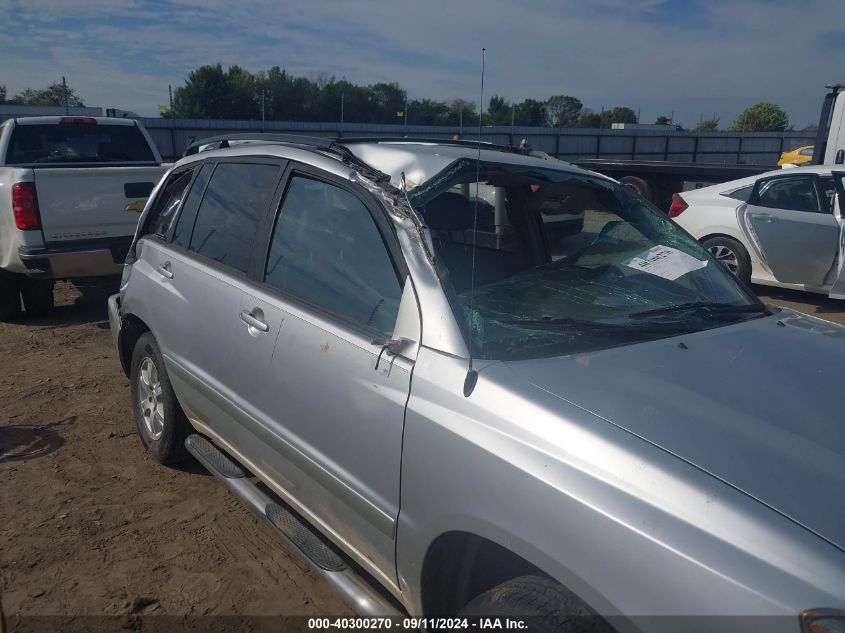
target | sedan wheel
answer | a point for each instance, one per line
(726, 256)
(731, 254)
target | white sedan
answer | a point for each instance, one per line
(781, 228)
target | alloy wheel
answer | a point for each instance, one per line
(726, 256)
(149, 398)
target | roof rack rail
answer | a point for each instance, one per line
(222, 141)
(421, 139)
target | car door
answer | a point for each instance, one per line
(837, 291)
(795, 230)
(196, 283)
(329, 403)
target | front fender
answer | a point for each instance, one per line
(628, 527)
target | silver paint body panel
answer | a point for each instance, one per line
(649, 479)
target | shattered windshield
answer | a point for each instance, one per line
(568, 263)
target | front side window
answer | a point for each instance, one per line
(568, 263)
(327, 250)
(794, 193)
(234, 202)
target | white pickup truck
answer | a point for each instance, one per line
(71, 191)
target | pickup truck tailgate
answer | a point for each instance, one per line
(91, 203)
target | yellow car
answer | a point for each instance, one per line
(798, 156)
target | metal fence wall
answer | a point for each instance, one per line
(753, 148)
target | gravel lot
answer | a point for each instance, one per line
(91, 526)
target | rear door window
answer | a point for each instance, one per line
(793, 193)
(327, 250)
(78, 143)
(827, 190)
(232, 207)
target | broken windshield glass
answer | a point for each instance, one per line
(567, 263)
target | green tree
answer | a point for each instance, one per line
(464, 112)
(619, 114)
(245, 97)
(2, 94)
(356, 107)
(761, 117)
(498, 111)
(530, 112)
(429, 112)
(813, 127)
(386, 99)
(588, 119)
(52, 95)
(663, 120)
(563, 111)
(210, 93)
(707, 125)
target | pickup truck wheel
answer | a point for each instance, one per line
(731, 254)
(550, 607)
(10, 299)
(159, 419)
(37, 296)
(639, 186)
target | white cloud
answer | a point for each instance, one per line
(640, 53)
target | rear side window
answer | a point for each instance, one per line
(167, 203)
(185, 221)
(231, 209)
(77, 143)
(794, 193)
(327, 250)
(743, 193)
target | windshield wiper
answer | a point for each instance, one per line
(597, 327)
(703, 307)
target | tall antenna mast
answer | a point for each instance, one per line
(472, 375)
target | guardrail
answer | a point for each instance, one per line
(172, 136)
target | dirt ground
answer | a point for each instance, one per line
(90, 526)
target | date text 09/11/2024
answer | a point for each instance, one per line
(417, 623)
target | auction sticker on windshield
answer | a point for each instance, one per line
(665, 261)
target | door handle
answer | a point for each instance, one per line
(767, 217)
(164, 269)
(253, 321)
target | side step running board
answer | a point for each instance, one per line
(312, 548)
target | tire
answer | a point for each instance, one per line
(550, 607)
(37, 295)
(10, 298)
(731, 254)
(639, 185)
(162, 426)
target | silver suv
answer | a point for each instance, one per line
(378, 348)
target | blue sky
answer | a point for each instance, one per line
(690, 56)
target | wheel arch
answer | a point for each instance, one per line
(133, 328)
(711, 234)
(459, 565)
